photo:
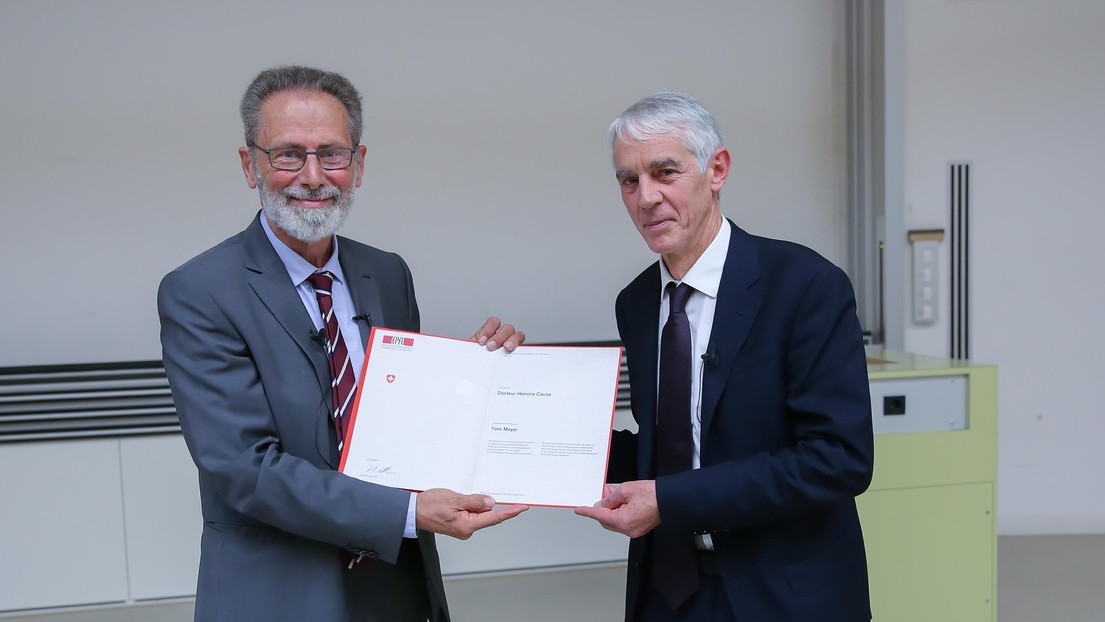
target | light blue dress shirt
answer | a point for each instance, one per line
(298, 270)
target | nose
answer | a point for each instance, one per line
(648, 194)
(312, 174)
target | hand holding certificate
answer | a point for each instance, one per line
(530, 427)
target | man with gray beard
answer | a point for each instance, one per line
(263, 337)
(300, 223)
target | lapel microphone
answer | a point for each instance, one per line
(710, 357)
(365, 317)
(318, 335)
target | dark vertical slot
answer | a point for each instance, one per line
(959, 281)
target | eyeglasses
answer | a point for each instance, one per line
(287, 159)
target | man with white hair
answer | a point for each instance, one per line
(748, 382)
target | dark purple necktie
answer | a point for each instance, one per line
(343, 382)
(674, 568)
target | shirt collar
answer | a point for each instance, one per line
(705, 274)
(299, 268)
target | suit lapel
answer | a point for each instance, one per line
(734, 314)
(362, 289)
(640, 318)
(269, 280)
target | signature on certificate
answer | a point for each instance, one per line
(380, 470)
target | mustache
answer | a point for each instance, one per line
(318, 194)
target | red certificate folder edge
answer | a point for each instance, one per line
(364, 369)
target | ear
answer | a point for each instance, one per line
(360, 155)
(247, 167)
(719, 169)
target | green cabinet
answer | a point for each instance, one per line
(928, 518)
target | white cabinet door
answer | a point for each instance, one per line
(163, 521)
(61, 513)
(539, 538)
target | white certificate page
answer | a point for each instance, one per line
(531, 426)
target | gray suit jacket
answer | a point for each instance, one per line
(252, 391)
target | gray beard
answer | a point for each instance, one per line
(306, 224)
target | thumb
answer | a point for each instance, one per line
(477, 503)
(615, 499)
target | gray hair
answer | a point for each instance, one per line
(297, 78)
(670, 113)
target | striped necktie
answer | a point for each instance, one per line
(343, 382)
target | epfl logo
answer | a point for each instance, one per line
(396, 340)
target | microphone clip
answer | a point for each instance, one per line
(710, 356)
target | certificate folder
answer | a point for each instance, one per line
(531, 426)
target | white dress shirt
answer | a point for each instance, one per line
(705, 277)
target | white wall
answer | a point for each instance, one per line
(488, 170)
(1018, 88)
(487, 164)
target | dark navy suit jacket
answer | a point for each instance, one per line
(786, 440)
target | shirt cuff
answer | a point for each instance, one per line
(409, 531)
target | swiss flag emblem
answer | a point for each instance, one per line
(390, 378)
